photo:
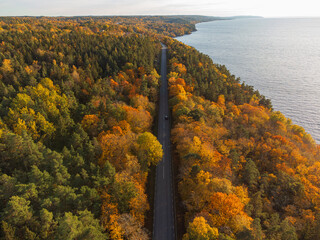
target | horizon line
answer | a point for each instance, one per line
(158, 15)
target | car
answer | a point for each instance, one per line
(166, 117)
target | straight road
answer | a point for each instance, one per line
(163, 227)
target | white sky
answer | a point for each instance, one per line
(265, 8)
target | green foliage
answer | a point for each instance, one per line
(123, 191)
(80, 226)
(288, 232)
(18, 211)
(48, 225)
(64, 83)
(257, 229)
(8, 231)
(251, 173)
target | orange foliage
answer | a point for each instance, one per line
(90, 123)
(225, 210)
(223, 143)
(139, 119)
(179, 67)
(109, 217)
(139, 204)
(114, 149)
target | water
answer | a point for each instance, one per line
(279, 57)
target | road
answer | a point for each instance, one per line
(163, 226)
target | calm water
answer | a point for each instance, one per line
(279, 57)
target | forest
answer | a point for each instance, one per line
(78, 103)
(78, 100)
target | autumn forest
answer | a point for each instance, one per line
(78, 140)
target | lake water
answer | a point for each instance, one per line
(279, 57)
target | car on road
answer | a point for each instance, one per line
(166, 117)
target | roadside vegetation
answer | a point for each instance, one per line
(245, 171)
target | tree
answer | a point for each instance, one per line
(132, 229)
(139, 119)
(123, 191)
(251, 173)
(257, 230)
(8, 231)
(7, 66)
(82, 226)
(114, 149)
(18, 211)
(48, 224)
(199, 229)
(18, 152)
(90, 124)
(288, 232)
(149, 150)
(69, 227)
(228, 210)
(273, 227)
(91, 226)
(40, 111)
(140, 100)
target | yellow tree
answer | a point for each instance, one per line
(149, 150)
(6, 66)
(199, 229)
(176, 89)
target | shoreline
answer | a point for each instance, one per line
(277, 107)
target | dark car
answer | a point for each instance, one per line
(166, 117)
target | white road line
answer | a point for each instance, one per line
(163, 171)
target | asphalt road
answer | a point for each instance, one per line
(163, 226)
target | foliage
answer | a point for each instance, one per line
(76, 109)
(243, 168)
(200, 230)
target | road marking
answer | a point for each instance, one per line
(163, 171)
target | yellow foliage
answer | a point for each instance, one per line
(199, 229)
(149, 149)
(7, 66)
(176, 89)
(28, 70)
(221, 101)
(20, 126)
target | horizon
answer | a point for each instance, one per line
(157, 15)
(216, 8)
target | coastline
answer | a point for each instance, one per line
(297, 118)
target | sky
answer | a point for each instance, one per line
(265, 8)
